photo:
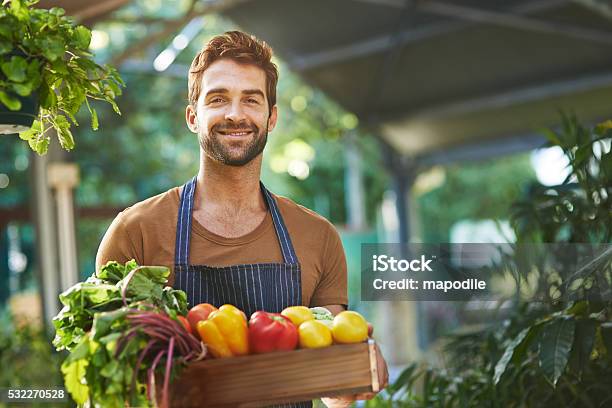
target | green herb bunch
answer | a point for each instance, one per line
(45, 52)
(111, 360)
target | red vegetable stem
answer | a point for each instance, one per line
(167, 374)
(123, 340)
(152, 374)
(153, 323)
(152, 332)
(128, 278)
(156, 331)
(141, 357)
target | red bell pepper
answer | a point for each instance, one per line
(271, 332)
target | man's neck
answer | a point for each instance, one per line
(229, 190)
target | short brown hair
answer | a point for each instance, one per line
(240, 47)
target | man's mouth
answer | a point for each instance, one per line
(235, 133)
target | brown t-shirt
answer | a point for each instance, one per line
(146, 232)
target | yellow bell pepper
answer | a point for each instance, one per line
(298, 314)
(225, 332)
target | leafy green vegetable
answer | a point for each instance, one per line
(114, 325)
(323, 315)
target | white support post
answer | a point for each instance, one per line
(63, 178)
(46, 237)
(355, 197)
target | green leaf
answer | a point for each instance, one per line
(80, 351)
(583, 344)
(516, 345)
(63, 132)
(99, 358)
(405, 379)
(33, 73)
(82, 37)
(103, 322)
(94, 119)
(146, 282)
(57, 11)
(582, 154)
(111, 369)
(74, 97)
(579, 308)
(74, 379)
(5, 47)
(39, 143)
(19, 10)
(59, 66)
(15, 69)
(555, 346)
(114, 105)
(110, 341)
(24, 89)
(10, 102)
(87, 65)
(88, 292)
(116, 90)
(48, 98)
(6, 28)
(52, 47)
(30, 133)
(552, 137)
(112, 272)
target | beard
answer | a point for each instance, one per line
(234, 153)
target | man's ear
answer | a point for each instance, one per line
(272, 119)
(191, 118)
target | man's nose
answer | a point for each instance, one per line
(235, 113)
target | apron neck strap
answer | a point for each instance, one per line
(184, 221)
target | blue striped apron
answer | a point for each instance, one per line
(250, 287)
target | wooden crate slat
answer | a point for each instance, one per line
(259, 380)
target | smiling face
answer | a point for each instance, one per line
(232, 118)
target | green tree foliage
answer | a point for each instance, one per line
(476, 191)
(545, 354)
(27, 359)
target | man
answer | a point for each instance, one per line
(234, 241)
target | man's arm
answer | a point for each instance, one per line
(117, 245)
(332, 288)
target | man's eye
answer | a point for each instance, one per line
(216, 100)
(252, 100)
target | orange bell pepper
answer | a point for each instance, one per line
(225, 333)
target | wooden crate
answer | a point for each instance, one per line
(280, 377)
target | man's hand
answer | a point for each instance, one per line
(346, 400)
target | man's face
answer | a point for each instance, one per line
(232, 118)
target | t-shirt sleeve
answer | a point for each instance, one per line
(117, 245)
(332, 287)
